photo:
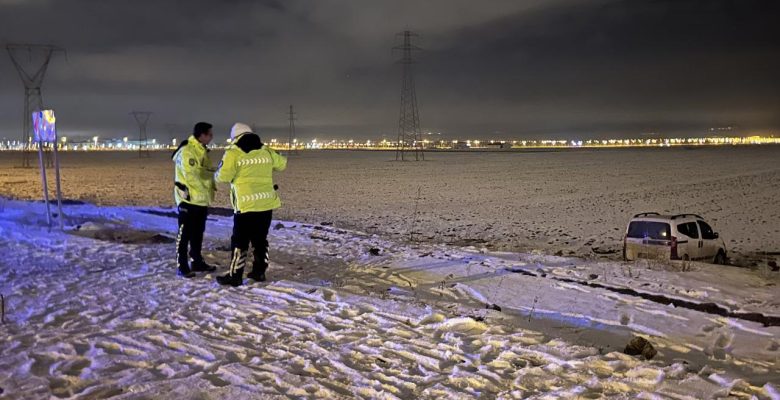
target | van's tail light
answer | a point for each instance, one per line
(673, 243)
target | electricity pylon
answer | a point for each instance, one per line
(142, 118)
(32, 73)
(291, 149)
(409, 135)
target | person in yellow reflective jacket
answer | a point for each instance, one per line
(193, 192)
(248, 166)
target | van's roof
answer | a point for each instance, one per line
(664, 217)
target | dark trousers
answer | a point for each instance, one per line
(251, 227)
(192, 224)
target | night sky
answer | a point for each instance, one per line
(490, 69)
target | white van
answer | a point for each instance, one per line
(672, 237)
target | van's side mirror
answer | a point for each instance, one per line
(716, 235)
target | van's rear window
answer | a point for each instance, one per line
(650, 230)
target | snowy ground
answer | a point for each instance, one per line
(97, 312)
(563, 202)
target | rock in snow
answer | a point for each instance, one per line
(640, 346)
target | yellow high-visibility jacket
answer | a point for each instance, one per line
(248, 166)
(194, 179)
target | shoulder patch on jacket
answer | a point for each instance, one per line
(192, 162)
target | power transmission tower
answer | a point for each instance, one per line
(32, 73)
(409, 135)
(142, 118)
(290, 147)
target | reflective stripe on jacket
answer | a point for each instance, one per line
(250, 174)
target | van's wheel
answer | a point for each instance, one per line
(720, 258)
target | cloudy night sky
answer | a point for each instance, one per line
(503, 69)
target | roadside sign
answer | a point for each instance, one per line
(44, 126)
(45, 131)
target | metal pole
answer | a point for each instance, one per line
(45, 184)
(59, 191)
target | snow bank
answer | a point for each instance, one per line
(90, 318)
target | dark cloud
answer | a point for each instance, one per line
(503, 68)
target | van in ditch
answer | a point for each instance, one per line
(672, 237)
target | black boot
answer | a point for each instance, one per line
(199, 265)
(260, 264)
(235, 279)
(258, 274)
(235, 275)
(184, 271)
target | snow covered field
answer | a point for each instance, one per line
(97, 312)
(568, 203)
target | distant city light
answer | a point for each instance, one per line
(96, 143)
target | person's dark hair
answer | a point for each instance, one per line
(201, 128)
